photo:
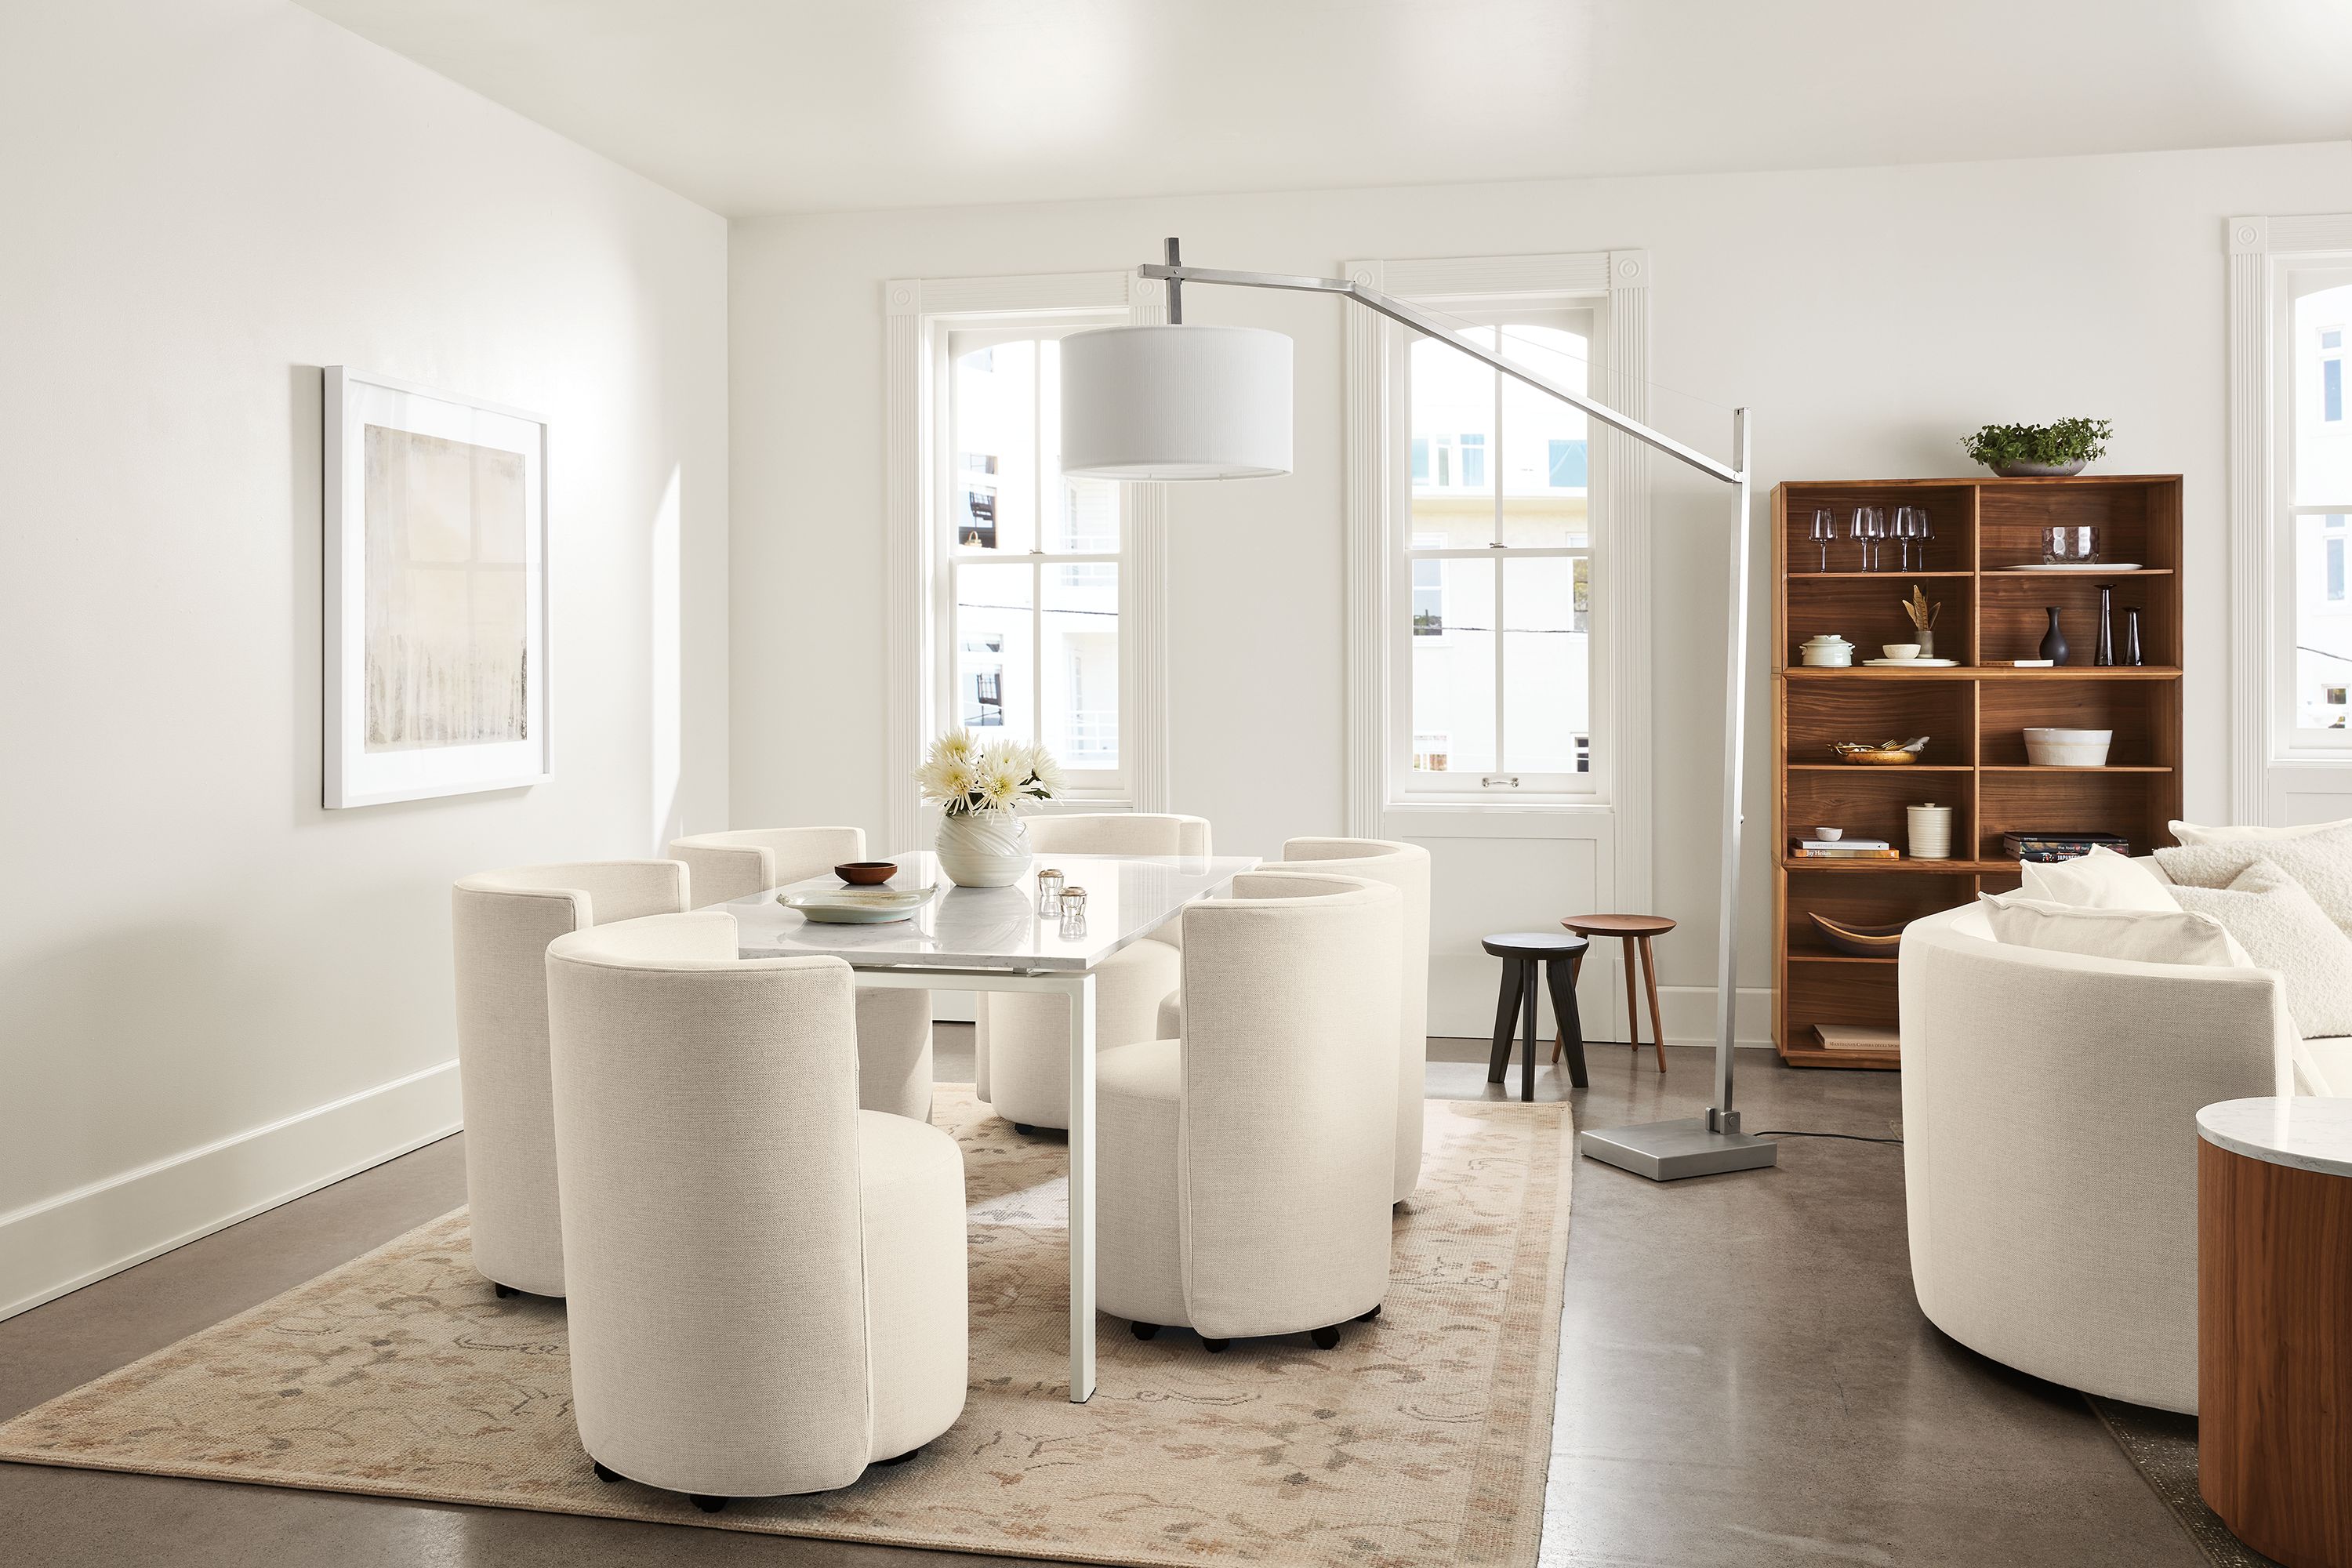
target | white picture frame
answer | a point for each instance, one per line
(435, 626)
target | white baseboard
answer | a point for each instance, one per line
(64, 1243)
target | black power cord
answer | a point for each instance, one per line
(1798, 1133)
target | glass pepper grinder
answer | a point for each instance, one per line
(1074, 911)
(1049, 892)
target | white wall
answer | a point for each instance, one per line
(1870, 315)
(213, 993)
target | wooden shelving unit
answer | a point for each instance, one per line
(1974, 715)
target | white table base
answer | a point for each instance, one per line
(1079, 987)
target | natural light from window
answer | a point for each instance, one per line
(2321, 465)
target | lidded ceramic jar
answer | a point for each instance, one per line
(1827, 651)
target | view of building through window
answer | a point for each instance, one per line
(2321, 464)
(1033, 560)
(1498, 549)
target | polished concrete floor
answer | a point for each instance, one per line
(1744, 1380)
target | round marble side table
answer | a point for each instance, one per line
(2274, 1324)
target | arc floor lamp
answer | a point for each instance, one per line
(1192, 402)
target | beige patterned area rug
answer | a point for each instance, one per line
(1421, 1439)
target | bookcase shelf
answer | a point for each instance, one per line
(1995, 600)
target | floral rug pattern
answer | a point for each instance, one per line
(1421, 1439)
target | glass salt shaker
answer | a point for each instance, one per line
(1049, 892)
(1074, 911)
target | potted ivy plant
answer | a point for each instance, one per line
(2020, 451)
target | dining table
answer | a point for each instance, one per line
(1008, 939)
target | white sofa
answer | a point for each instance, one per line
(2050, 1144)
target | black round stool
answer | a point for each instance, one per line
(1521, 952)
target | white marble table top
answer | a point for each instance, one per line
(2308, 1133)
(1128, 897)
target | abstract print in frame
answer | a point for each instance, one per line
(435, 614)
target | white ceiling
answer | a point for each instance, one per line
(762, 106)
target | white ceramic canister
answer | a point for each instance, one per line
(1828, 651)
(1931, 832)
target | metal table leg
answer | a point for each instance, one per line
(1081, 992)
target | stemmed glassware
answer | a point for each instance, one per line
(1823, 530)
(1910, 523)
(1869, 530)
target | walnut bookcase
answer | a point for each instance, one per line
(1975, 716)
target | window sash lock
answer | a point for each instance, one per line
(1498, 781)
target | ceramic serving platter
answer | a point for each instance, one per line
(2076, 566)
(858, 906)
(1913, 663)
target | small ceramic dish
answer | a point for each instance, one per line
(1826, 835)
(867, 873)
(1859, 941)
(858, 906)
(1901, 652)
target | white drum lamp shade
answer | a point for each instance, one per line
(1178, 402)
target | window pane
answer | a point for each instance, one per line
(1547, 667)
(1080, 667)
(1453, 434)
(994, 405)
(995, 694)
(2323, 437)
(1453, 672)
(1544, 444)
(1083, 513)
(2323, 622)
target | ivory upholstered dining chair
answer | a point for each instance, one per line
(1405, 868)
(1022, 1044)
(1245, 1170)
(768, 1283)
(502, 921)
(894, 1028)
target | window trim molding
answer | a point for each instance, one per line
(2256, 245)
(914, 311)
(1618, 281)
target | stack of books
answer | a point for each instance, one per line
(1857, 1037)
(1842, 849)
(2043, 847)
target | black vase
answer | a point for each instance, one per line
(2105, 653)
(2131, 635)
(2053, 641)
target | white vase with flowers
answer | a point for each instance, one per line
(980, 789)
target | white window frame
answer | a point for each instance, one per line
(2278, 773)
(1406, 785)
(920, 493)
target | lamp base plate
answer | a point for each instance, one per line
(1670, 1151)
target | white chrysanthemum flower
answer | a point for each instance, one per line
(955, 746)
(1045, 772)
(999, 778)
(949, 780)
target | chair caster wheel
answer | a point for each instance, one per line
(1025, 1130)
(504, 1290)
(604, 1475)
(1368, 1317)
(706, 1504)
(1143, 1331)
(900, 1459)
(1324, 1338)
(1215, 1347)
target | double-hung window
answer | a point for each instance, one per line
(1028, 640)
(2314, 637)
(1494, 698)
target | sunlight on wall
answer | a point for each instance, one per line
(664, 663)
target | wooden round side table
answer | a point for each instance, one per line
(2274, 1325)
(1636, 931)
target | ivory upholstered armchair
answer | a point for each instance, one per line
(502, 921)
(768, 1284)
(1022, 1046)
(1405, 868)
(1244, 1171)
(894, 1028)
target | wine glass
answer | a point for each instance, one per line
(1869, 529)
(1923, 528)
(1823, 530)
(1907, 529)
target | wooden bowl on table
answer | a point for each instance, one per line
(867, 873)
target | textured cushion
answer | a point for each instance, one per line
(1136, 1104)
(2141, 936)
(2102, 880)
(2190, 833)
(2321, 862)
(2281, 928)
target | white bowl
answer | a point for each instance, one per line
(1905, 651)
(1828, 834)
(2048, 748)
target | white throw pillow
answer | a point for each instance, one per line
(2321, 862)
(2281, 928)
(2190, 833)
(2142, 936)
(2102, 880)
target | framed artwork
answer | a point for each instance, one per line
(435, 594)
